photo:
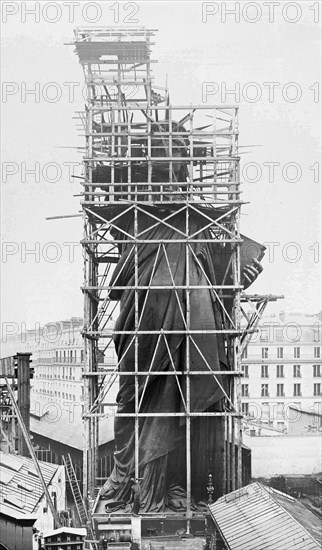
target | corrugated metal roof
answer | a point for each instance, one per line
(252, 518)
(20, 487)
(301, 513)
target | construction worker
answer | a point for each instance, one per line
(135, 496)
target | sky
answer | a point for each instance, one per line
(268, 55)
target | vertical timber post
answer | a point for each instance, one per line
(236, 472)
(90, 324)
(23, 378)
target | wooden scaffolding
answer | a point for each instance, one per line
(130, 127)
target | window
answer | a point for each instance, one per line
(297, 353)
(296, 371)
(279, 371)
(280, 353)
(280, 425)
(265, 410)
(264, 353)
(317, 389)
(316, 371)
(280, 409)
(245, 409)
(264, 335)
(264, 371)
(280, 390)
(264, 390)
(245, 371)
(54, 497)
(245, 354)
(317, 353)
(297, 390)
(245, 390)
(82, 355)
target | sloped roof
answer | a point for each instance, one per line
(20, 486)
(304, 515)
(68, 428)
(259, 518)
(72, 530)
(12, 513)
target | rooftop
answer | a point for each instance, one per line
(257, 517)
(67, 428)
(20, 486)
(72, 530)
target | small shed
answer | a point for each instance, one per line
(16, 528)
(22, 496)
(257, 517)
(65, 538)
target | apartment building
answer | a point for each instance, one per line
(58, 361)
(57, 392)
(282, 370)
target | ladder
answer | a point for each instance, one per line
(77, 495)
(78, 499)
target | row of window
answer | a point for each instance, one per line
(280, 353)
(297, 391)
(280, 371)
(69, 356)
(64, 395)
(57, 373)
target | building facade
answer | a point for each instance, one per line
(282, 370)
(57, 392)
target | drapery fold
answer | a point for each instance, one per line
(162, 439)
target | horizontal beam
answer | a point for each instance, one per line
(163, 287)
(261, 297)
(135, 241)
(95, 333)
(183, 185)
(165, 414)
(190, 108)
(168, 373)
(219, 202)
(148, 158)
(132, 192)
(124, 126)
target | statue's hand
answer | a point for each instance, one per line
(251, 272)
